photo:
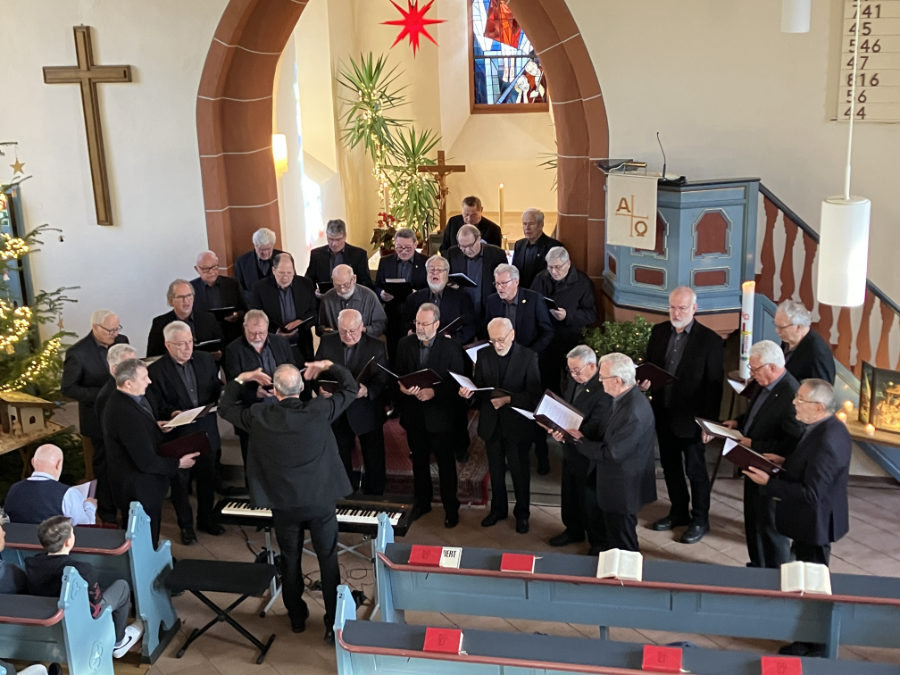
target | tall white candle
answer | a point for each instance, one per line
(748, 288)
(501, 206)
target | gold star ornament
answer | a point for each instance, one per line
(18, 167)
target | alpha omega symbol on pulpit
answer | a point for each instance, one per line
(638, 224)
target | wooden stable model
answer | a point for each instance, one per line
(22, 414)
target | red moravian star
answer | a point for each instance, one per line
(413, 22)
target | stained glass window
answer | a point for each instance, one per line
(506, 73)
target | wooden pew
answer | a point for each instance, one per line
(673, 596)
(34, 628)
(118, 554)
(372, 647)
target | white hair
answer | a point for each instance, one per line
(506, 268)
(557, 253)
(768, 353)
(173, 327)
(822, 392)
(264, 237)
(500, 321)
(583, 353)
(98, 316)
(118, 353)
(795, 312)
(621, 366)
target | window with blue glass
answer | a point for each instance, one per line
(506, 73)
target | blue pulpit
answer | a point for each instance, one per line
(705, 239)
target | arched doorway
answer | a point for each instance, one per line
(234, 124)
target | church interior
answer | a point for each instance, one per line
(232, 117)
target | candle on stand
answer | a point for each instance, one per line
(748, 289)
(501, 206)
(870, 430)
(842, 416)
(848, 407)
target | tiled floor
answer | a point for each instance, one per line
(872, 547)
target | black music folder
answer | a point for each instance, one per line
(555, 413)
(221, 312)
(399, 288)
(551, 303)
(658, 377)
(178, 448)
(450, 327)
(324, 286)
(367, 371)
(461, 280)
(425, 378)
(744, 457)
(209, 345)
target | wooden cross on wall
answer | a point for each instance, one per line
(88, 75)
(441, 170)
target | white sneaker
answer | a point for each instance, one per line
(132, 636)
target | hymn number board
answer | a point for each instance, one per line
(878, 70)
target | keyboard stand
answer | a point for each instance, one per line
(352, 549)
(274, 584)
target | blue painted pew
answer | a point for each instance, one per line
(673, 596)
(34, 628)
(118, 554)
(373, 648)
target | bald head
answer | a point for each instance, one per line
(48, 459)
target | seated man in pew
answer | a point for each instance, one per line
(45, 570)
(12, 577)
(41, 495)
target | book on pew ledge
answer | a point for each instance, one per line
(461, 280)
(189, 416)
(744, 457)
(435, 556)
(805, 577)
(661, 659)
(443, 641)
(425, 378)
(518, 562)
(178, 448)
(658, 377)
(781, 665)
(473, 349)
(618, 564)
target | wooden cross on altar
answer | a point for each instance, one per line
(88, 74)
(440, 170)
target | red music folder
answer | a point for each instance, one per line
(661, 659)
(178, 448)
(443, 640)
(425, 555)
(517, 562)
(781, 665)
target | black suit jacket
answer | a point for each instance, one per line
(230, 295)
(265, 297)
(533, 327)
(623, 455)
(131, 442)
(319, 268)
(575, 294)
(167, 394)
(241, 357)
(85, 371)
(522, 380)
(293, 460)
(811, 492)
(528, 273)
(811, 358)
(205, 327)
(454, 303)
(442, 413)
(367, 413)
(775, 427)
(491, 257)
(387, 269)
(490, 232)
(697, 391)
(246, 271)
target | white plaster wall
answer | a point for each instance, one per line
(149, 128)
(733, 96)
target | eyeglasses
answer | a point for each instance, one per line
(758, 368)
(798, 399)
(181, 345)
(680, 308)
(577, 371)
(109, 331)
(556, 268)
(500, 341)
(404, 249)
(345, 287)
(467, 247)
(350, 331)
(504, 284)
(183, 297)
(209, 268)
(606, 377)
(783, 326)
(425, 324)
(258, 333)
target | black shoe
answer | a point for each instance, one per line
(418, 511)
(492, 519)
(667, 523)
(329, 636)
(803, 649)
(54, 669)
(522, 525)
(188, 536)
(298, 623)
(543, 467)
(214, 529)
(565, 537)
(451, 520)
(694, 533)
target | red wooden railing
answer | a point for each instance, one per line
(848, 331)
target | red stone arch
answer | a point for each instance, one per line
(234, 123)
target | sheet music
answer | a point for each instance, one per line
(87, 489)
(524, 413)
(472, 350)
(565, 417)
(718, 430)
(187, 417)
(737, 385)
(466, 382)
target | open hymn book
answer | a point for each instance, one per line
(618, 564)
(805, 577)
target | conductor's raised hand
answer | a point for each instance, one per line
(314, 368)
(258, 376)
